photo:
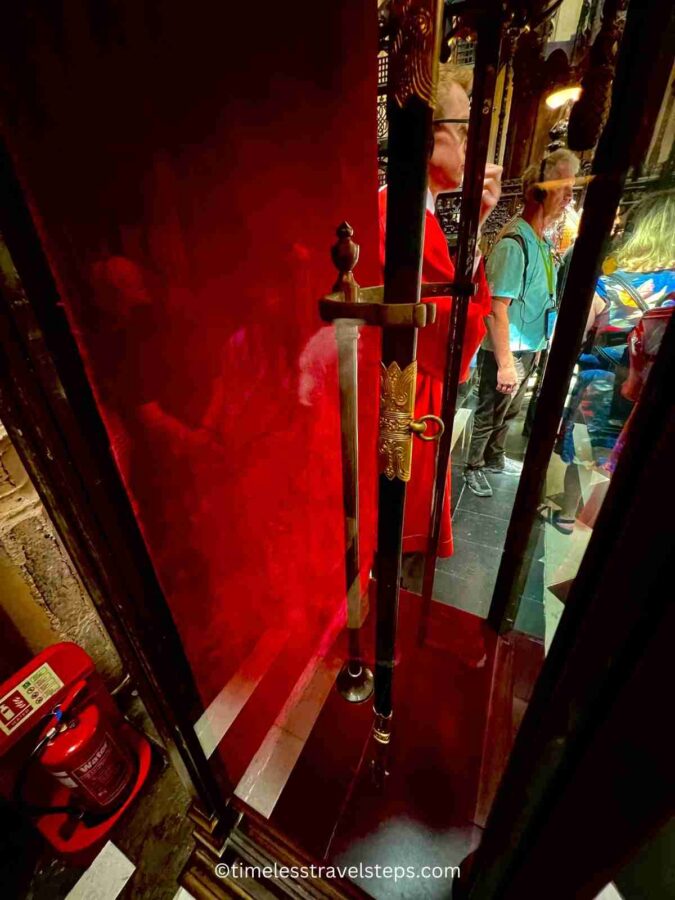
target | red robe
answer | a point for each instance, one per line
(431, 362)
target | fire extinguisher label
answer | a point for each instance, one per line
(106, 773)
(26, 698)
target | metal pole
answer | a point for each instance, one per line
(482, 98)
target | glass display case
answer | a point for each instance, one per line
(238, 419)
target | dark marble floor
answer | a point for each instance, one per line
(466, 580)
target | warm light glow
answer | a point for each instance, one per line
(559, 98)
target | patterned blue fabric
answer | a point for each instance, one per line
(593, 401)
(624, 312)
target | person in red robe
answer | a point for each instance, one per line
(445, 171)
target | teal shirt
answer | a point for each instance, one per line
(504, 269)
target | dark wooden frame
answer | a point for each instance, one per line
(47, 406)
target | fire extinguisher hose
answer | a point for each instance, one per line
(17, 794)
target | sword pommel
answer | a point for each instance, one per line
(345, 254)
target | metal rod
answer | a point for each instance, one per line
(412, 73)
(482, 99)
(635, 107)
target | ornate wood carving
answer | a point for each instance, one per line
(411, 55)
(589, 114)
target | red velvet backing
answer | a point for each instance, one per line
(187, 165)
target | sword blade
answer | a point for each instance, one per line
(347, 334)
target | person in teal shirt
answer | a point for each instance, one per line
(521, 275)
(530, 290)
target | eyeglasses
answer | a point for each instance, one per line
(461, 126)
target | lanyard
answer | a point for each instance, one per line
(547, 260)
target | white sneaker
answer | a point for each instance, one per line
(507, 467)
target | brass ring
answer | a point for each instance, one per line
(419, 427)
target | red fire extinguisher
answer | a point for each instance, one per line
(80, 748)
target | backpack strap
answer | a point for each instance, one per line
(512, 236)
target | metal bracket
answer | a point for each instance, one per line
(369, 308)
(465, 289)
(448, 289)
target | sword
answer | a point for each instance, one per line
(416, 27)
(355, 681)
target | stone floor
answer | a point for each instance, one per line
(467, 579)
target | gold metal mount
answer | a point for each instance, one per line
(382, 728)
(419, 427)
(397, 426)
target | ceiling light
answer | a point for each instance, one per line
(561, 96)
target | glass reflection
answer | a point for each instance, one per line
(497, 400)
(632, 304)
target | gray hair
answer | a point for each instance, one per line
(449, 76)
(532, 174)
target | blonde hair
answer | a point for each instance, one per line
(532, 175)
(450, 75)
(651, 243)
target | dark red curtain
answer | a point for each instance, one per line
(187, 164)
